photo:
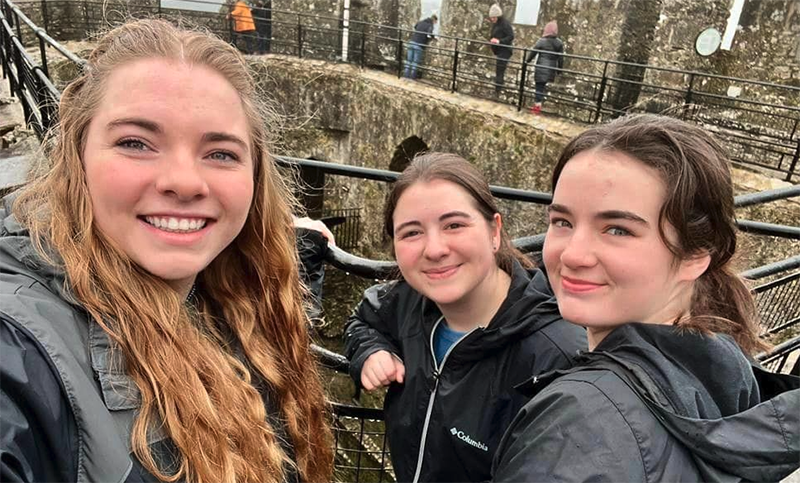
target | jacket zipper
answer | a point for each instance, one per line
(437, 371)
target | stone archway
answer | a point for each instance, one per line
(405, 152)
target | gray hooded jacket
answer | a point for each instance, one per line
(651, 403)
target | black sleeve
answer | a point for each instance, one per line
(38, 436)
(508, 34)
(531, 55)
(560, 57)
(311, 248)
(373, 326)
(569, 432)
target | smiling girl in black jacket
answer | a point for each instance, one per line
(639, 252)
(466, 324)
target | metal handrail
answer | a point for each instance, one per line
(766, 196)
(770, 269)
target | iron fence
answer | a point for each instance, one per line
(778, 303)
(783, 358)
(759, 122)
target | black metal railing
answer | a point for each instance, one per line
(778, 303)
(783, 358)
(28, 78)
(760, 126)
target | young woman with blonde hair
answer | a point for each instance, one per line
(152, 317)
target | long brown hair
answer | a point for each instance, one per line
(695, 170)
(203, 395)
(457, 170)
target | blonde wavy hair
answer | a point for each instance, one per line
(204, 397)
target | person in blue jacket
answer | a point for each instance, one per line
(423, 34)
(639, 252)
(469, 320)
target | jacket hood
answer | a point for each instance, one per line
(739, 421)
(528, 307)
(18, 255)
(550, 29)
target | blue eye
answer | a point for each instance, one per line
(618, 231)
(132, 143)
(223, 156)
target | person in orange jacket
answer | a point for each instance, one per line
(243, 25)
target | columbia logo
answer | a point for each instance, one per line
(465, 438)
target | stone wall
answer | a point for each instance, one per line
(766, 46)
(374, 120)
(79, 20)
(365, 118)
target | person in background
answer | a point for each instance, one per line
(262, 16)
(469, 320)
(313, 240)
(243, 26)
(501, 38)
(423, 34)
(152, 324)
(639, 251)
(548, 62)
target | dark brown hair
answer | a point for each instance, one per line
(457, 170)
(699, 205)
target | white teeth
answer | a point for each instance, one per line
(178, 225)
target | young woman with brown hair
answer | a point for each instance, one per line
(152, 316)
(639, 252)
(469, 320)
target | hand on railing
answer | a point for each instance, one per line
(381, 369)
(315, 225)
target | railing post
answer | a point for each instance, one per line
(26, 109)
(43, 54)
(19, 29)
(453, 82)
(159, 9)
(85, 18)
(299, 37)
(44, 108)
(793, 164)
(522, 79)
(230, 26)
(687, 101)
(399, 52)
(601, 94)
(363, 46)
(45, 17)
(40, 102)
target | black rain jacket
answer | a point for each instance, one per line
(423, 32)
(444, 424)
(504, 32)
(653, 403)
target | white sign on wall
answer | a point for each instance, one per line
(527, 12)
